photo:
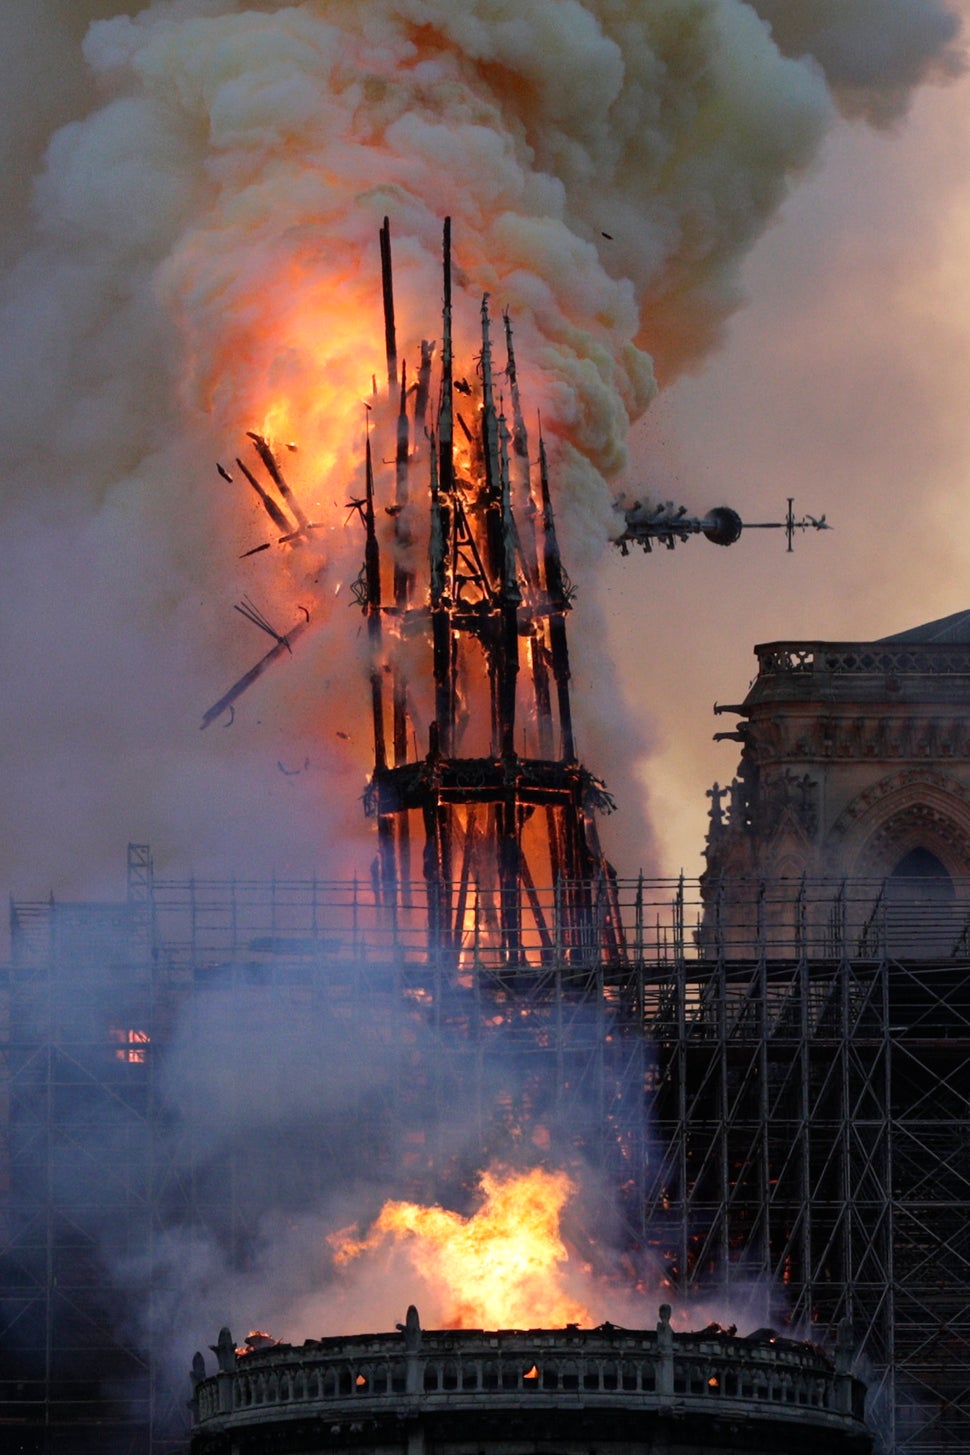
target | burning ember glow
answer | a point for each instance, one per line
(256, 1339)
(131, 1044)
(502, 1267)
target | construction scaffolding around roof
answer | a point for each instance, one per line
(782, 1107)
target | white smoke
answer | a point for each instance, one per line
(196, 231)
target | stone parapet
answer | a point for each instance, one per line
(474, 1380)
(854, 669)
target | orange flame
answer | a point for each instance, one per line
(131, 1044)
(502, 1267)
(256, 1339)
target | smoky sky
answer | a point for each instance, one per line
(610, 168)
(841, 384)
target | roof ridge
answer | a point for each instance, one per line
(954, 628)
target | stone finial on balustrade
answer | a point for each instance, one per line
(411, 1329)
(845, 1349)
(225, 1351)
(665, 1350)
(196, 1376)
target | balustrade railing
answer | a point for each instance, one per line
(345, 1378)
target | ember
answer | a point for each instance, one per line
(256, 1339)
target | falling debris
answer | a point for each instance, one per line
(276, 475)
(273, 510)
(284, 644)
(251, 612)
(296, 525)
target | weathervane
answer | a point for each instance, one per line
(669, 524)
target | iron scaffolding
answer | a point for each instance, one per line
(782, 1108)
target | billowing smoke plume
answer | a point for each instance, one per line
(872, 54)
(199, 258)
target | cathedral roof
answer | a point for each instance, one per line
(954, 629)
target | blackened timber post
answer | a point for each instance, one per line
(520, 474)
(504, 644)
(445, 659)
(440, 614)
(387, 285)
(446, 411)
(372, 581)
(520, 482)
(403, 587)
(422, 390)
(495, 541)
(558, 604)
(403, 579)
(511, 599)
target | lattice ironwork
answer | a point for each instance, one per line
(810, 1117)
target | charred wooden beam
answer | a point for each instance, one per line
(387, 287)
(276, 475)
(283, 645)
(556, 587)
(276, 515)
(372, 581)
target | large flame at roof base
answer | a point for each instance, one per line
(504, 1266)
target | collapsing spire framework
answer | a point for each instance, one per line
(498, 797)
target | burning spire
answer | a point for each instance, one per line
(504, 809)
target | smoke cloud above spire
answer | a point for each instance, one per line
(194, 191)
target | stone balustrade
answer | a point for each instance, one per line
(863, 658)
(417, 1371)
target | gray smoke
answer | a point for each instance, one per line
(873, 54)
